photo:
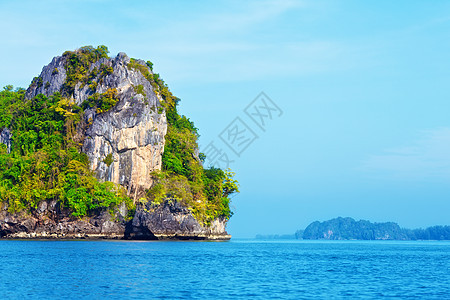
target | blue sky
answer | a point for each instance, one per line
(363, 86)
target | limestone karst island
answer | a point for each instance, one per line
(95, 148)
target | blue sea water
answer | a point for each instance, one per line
(224, 270)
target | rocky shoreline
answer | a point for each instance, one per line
(169, 221)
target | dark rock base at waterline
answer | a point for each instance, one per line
(169, 221)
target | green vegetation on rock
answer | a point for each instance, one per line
(102, 102)
(108, 159)
(139, 89)
(205, 191)
(78, 64)
(45, 163)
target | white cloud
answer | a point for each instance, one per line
(427, 157)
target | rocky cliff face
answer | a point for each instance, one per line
(124, 145)
(131, 134)
(171, 220)
(50, 220)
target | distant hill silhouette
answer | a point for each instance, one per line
(349, 229)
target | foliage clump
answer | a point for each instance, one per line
(102, 102)
(106, 70)
(108, 160)
(37, 82)
(45, 163)
(139, 89)
(78, 64)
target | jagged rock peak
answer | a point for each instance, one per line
(124, 123)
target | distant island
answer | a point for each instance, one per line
(350, 229)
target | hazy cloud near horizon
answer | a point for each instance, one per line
(426, 158)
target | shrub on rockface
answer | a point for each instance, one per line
(102, 102)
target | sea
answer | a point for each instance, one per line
(237, 269)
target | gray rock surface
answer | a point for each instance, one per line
(50, 220)
(5, 138)
(171, 220)
(53, 77)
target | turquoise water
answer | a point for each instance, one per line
(224, 270)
